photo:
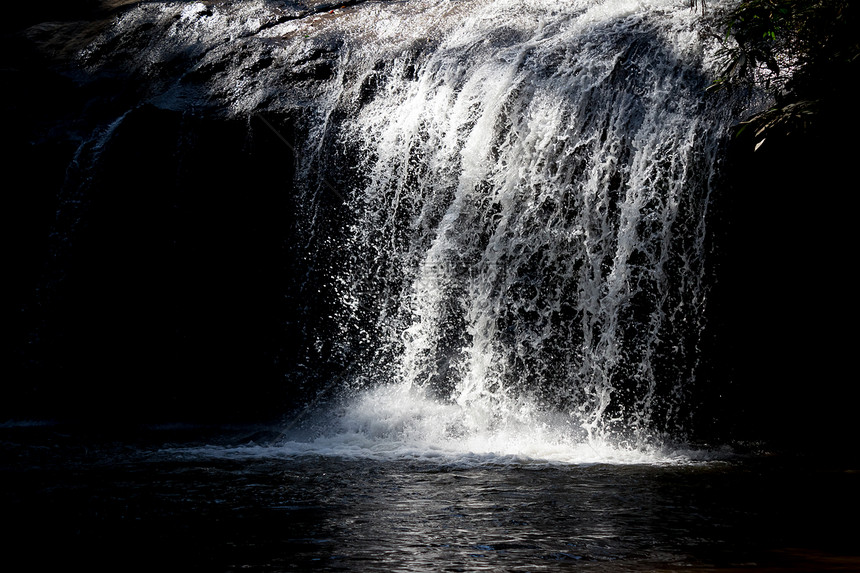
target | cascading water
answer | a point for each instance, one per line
(504, 207)
(525, 251)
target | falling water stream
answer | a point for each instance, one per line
(521, 259)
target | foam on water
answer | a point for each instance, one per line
(402, 422)
(398, 423)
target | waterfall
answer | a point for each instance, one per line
(526, 235)
(502, 205)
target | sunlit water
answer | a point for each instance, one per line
(526, 239)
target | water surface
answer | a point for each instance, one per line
(173, 505)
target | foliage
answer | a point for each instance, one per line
(803, 51)
(786, 36)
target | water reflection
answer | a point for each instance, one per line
(146, 508)
(378, 516)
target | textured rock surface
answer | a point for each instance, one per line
(148, 256)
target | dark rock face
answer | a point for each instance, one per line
(167, 274)
(170, 270)
(151, 261)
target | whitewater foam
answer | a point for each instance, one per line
(394, 423)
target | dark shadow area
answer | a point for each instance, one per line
(167, 277)
(784, 300)
(148, 273)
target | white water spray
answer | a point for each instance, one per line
(527, 251)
